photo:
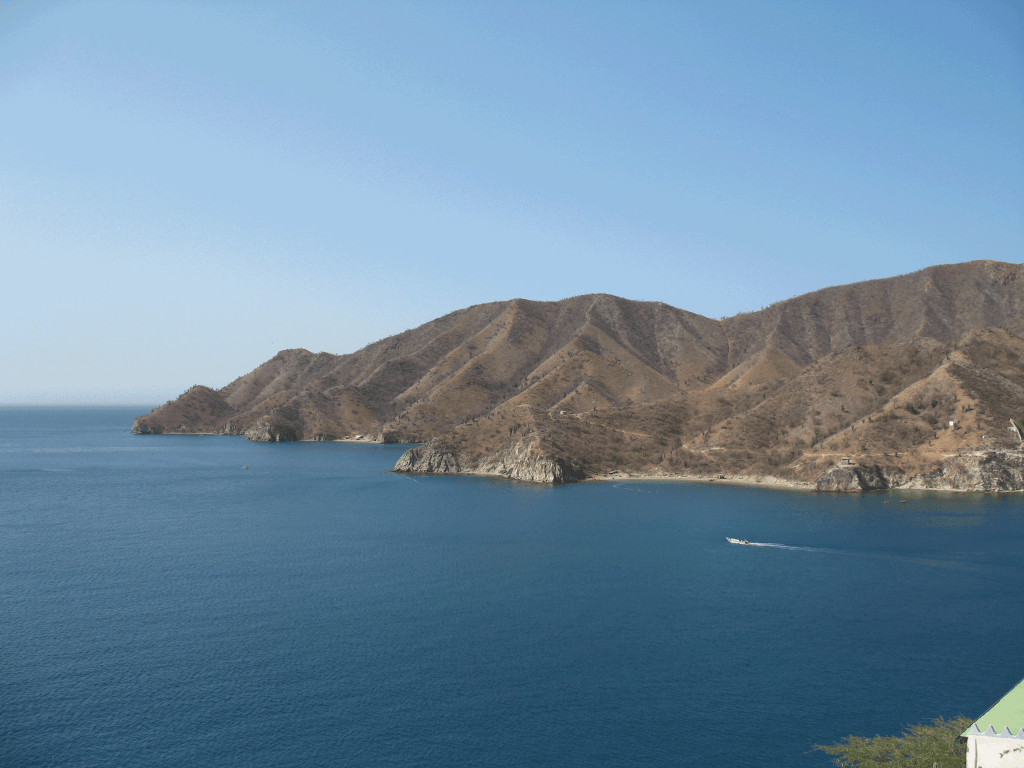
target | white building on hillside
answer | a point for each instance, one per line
(996, 740)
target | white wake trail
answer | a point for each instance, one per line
(783, 546)
(872, 555)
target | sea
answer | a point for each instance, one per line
(207, 601)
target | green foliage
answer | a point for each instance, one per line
(922, 746)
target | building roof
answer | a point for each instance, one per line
(1005, 718)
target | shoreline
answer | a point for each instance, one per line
(228, 434)
(747, 481)
(740, 480)
(776, 483)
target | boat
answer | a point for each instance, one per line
(736, 541)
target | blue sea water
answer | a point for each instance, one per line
(162, 606)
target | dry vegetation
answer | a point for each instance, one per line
(873, 371)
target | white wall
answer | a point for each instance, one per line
(990, 752)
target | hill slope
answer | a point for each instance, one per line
(556, 391)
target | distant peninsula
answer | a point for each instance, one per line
(914, 381)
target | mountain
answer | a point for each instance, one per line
(874, 372)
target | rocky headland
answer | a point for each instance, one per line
(988, 471)
(914, 381)
(522, 460)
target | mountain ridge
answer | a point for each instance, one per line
(602, 359)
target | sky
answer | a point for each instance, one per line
(187, 188)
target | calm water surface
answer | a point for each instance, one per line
(162, 606)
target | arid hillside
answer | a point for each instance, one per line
(941, 303)
(583, 353)
(865, 374)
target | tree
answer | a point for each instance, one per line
(922, 746)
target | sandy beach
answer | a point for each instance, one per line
(758, 482)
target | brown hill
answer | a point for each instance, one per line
(872, 371)
(941, 303)
(591, 351)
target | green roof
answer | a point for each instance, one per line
(1007, 713)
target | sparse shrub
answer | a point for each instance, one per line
(921, 746)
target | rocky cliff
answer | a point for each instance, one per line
(266, 431)
(986, 471)
(520, 460)
(856, 479)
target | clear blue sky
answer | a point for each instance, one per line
(187, 188)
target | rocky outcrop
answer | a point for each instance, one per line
(984, 471)
(855, 479)
(393, 437)
(266, 431)
(979, 471)
(521, 460)
(142, 427)
(524, 460)
(431, 458)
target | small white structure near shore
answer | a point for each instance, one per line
(996, 740)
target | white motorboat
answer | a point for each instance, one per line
(736, 541)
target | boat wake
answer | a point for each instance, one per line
(783, 546)
(773, 545)
(958, 564)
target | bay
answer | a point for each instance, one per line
(160, 605)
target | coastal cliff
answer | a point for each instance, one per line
(986, 471)
(521, 460)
